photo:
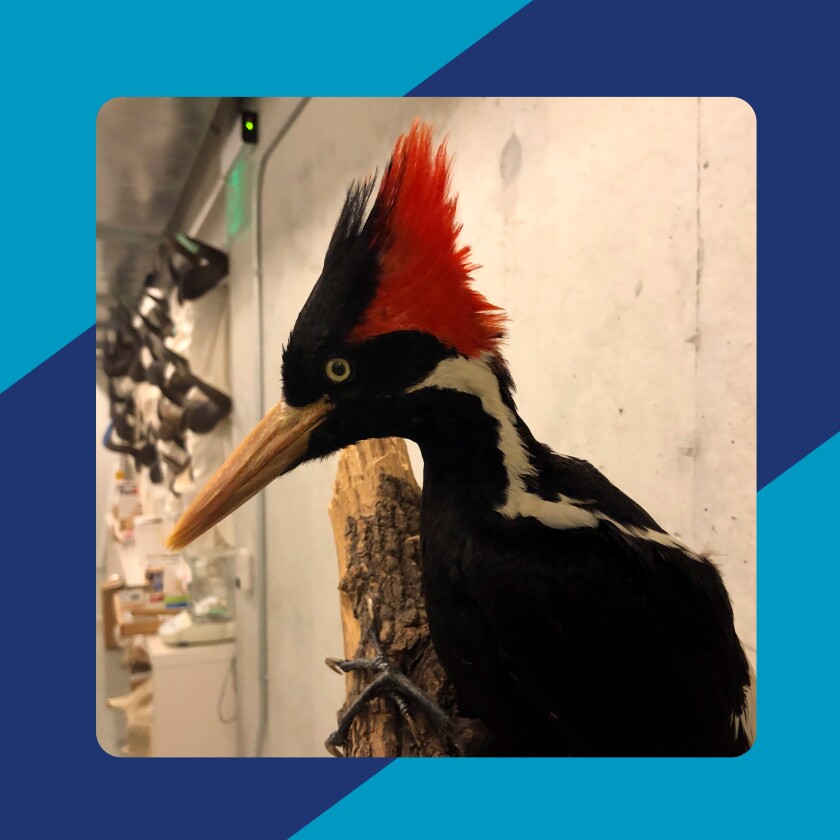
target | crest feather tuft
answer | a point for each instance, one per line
(425, 281)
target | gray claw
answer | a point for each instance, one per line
(412, 727)
(334, 664)
(333, 748)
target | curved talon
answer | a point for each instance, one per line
(412, 727)
(400, 703)
(334, 664)
(333, 748)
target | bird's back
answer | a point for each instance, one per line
(583, 641)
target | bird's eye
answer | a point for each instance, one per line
(337, 369)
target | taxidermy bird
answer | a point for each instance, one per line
(568, 621)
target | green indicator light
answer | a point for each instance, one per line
(249, 125)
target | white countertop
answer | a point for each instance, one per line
(166, 656)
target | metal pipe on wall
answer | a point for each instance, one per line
(261, 559)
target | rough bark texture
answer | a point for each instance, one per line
(375, 513)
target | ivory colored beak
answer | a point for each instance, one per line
(274, 446)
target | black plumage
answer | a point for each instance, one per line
(568, 621)
(581, 641)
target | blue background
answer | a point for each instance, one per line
(59, 66)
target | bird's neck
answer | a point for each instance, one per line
(477, 450)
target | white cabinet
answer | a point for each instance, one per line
(193, 696)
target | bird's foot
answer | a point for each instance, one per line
(388, 682)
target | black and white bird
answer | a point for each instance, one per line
(567, 619)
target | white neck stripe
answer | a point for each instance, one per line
(475, 377)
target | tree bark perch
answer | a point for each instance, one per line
(375, 513)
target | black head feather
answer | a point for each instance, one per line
(345, 288)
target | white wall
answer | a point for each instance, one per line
(619, 236)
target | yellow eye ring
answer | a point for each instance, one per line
(337, 369)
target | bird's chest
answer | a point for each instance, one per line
(454, 613)
(458, 605)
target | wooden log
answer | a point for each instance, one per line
(375, 513)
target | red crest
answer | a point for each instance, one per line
(425, 281)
